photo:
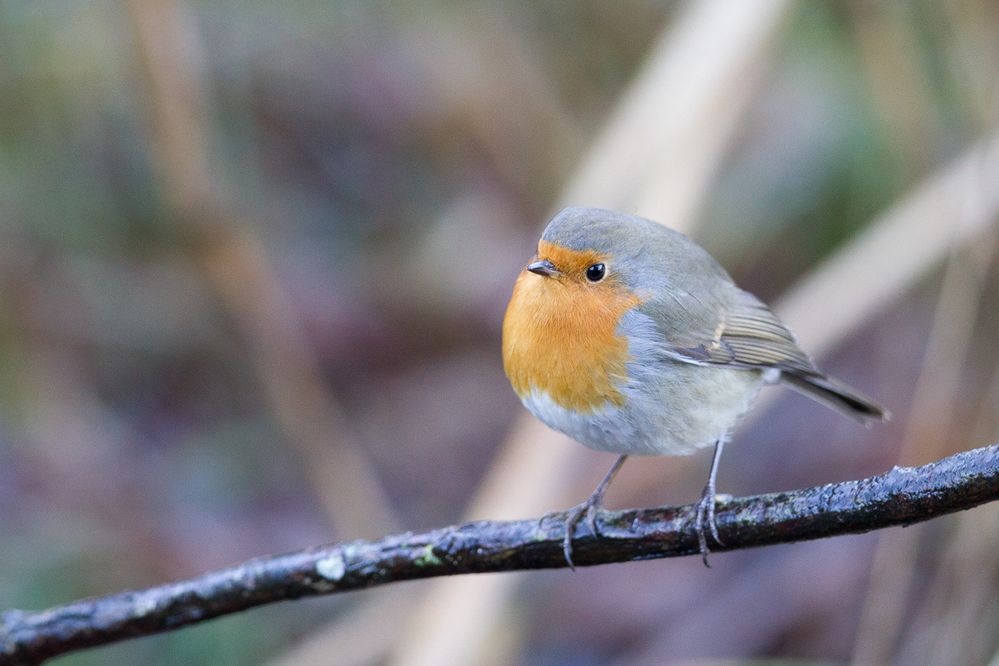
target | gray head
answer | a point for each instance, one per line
(640, 253)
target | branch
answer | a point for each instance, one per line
(901, 496)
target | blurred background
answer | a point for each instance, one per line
(254, 259)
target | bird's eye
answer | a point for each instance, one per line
(595, 273)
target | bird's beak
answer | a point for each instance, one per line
(543, 267)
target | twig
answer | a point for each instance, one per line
(901, 496)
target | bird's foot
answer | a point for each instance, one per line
(545, 518)
(590, 509)
(705, 522)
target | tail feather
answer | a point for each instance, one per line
(839, 396)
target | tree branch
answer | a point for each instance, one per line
(901, 496)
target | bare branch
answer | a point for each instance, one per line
(901, 496)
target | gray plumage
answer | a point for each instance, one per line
(701, 317)
(699, 349)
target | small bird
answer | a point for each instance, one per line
(630, 338)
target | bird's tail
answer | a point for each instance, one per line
(839, 396)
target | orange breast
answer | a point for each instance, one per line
(560, 336)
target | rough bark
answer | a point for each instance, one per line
(901, 496)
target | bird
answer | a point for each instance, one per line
(631, 339)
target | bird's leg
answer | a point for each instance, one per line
(706, 506)
(590, 508)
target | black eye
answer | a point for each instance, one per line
(595, 273)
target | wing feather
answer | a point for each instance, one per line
(741, 333)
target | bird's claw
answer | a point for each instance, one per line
(705, 517)
(591, 510)
(547, 516)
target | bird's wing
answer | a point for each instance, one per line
(738, 331)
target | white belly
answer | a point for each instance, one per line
(606, 429)
(675, 410)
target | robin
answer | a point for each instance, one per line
(630, 338)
